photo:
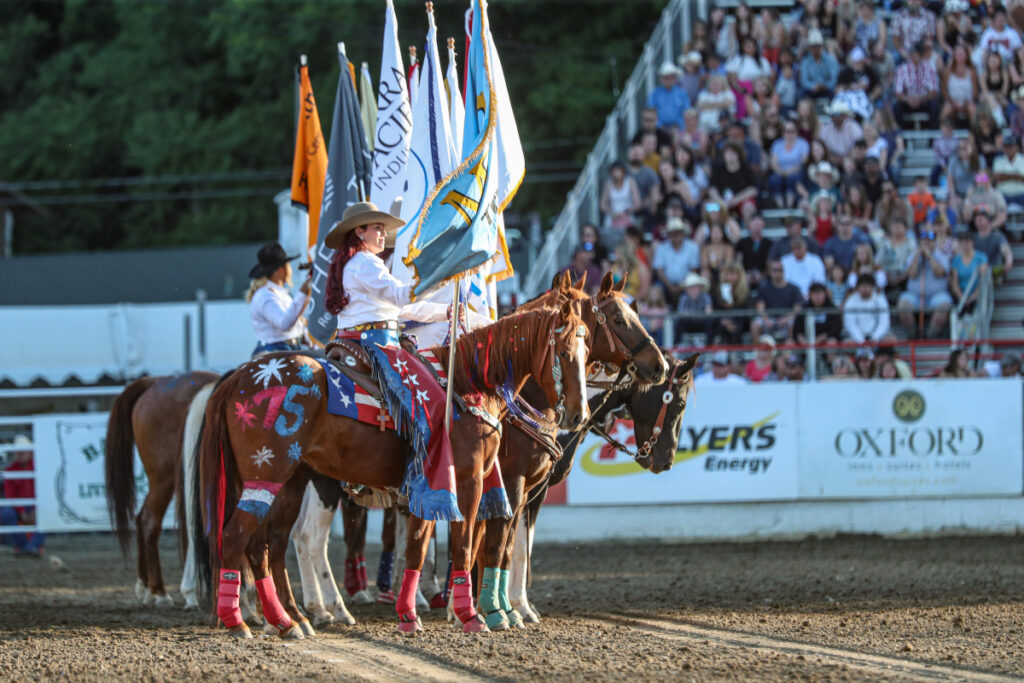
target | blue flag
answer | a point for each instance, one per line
(456, 232)
(348, 177)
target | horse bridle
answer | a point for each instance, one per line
(659, 424)
(614, 340)
(556, 366)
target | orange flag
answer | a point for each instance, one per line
(309, 168)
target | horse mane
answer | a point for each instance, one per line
(486, 356)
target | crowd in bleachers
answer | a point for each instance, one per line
(802, 114)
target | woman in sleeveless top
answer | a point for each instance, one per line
(868, 29)
(995, 84)
(276, 316)
(961, 86)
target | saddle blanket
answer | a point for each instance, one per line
(348, 399)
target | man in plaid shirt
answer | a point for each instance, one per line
(910, 25)
(916, 87)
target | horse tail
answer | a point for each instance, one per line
(185, 491)
(213, 474)
(119, 463)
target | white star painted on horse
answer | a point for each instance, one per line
(262, 457)
(421, 396)
(270, 369)
(402, 366)
(343, 397)
(411, 380)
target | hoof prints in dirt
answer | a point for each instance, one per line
(844, 609)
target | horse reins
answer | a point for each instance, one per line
(615, 342)
(659, 424)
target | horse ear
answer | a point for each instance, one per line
(567, 308)
(690, 363)
(607, 282)
(579, 284)
(621, 284)
(636, 309)
(558, 279)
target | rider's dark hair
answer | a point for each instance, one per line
(336, 296)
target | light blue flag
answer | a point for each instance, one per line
(456, 232)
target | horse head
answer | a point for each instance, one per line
(657, 412)
(561, 370)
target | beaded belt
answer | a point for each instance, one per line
(381, 325)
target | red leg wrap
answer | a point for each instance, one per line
(227, 597)
(361, 572)
(351, 576)
(406, 603)
(272, 608)
(462, 596)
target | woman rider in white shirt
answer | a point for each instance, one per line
(368, 301)
(276, 316)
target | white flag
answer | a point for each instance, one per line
(455, 104)
(394, 121)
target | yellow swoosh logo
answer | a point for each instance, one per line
(591, 466)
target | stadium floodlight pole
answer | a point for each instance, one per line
(451, 357)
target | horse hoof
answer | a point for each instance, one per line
(344, 618)
(410, 628)
(363, 597)
(475, 625)
(321, 619)
(307, 629)
(268, 629)
(141, 591)
(515, 619)
(293, 632)
(536, 612)
(163, 601)
(240, 631)
(191, 603)
(386, 597)
(497, 621)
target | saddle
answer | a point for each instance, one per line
(350, 358)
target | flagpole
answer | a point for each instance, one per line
(451, 358)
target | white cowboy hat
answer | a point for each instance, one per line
(362, 213)
(839, 107)
(814, 37)
(668, 69)
(22, 440)
(694, 279)
(825, 167)
(676, 224)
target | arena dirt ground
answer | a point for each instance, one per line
(850, 608)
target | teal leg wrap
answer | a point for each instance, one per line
(489, 605)
(515, 620)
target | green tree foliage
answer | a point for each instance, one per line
(174, 89)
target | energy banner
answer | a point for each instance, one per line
(885, 439)
(736, 444)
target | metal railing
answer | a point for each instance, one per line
(24, 426)
(581, 204)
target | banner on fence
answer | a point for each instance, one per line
(883, 439)
(70, 482)
(736, 444)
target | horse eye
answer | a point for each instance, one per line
(619, 320)
(563, 354)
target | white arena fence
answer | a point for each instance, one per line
(764, 461)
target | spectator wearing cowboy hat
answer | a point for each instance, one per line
(695, 306)
(794, 228)
(675, 258)
(819, 70)
(1008, 171)
(669, 98)
(839, 132)
(721, 371)
(276, 315)
(916, 88)
(691, 76)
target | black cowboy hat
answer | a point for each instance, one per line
(270, 257)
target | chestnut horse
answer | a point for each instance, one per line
(549, 345)
(617, 336)
(657, 412)
(529, 451)
(150, 414)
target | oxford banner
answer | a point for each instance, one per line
(885, 439)
(69, 460)
(829, 440)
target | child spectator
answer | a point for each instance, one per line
(864, 364)
(945, 147)
(694, 307)
(921, 200)
(864, 263)
(828, 325)
(837, 287)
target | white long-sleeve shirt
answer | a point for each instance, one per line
(276, 316)
(374, 294)
(865, 319)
